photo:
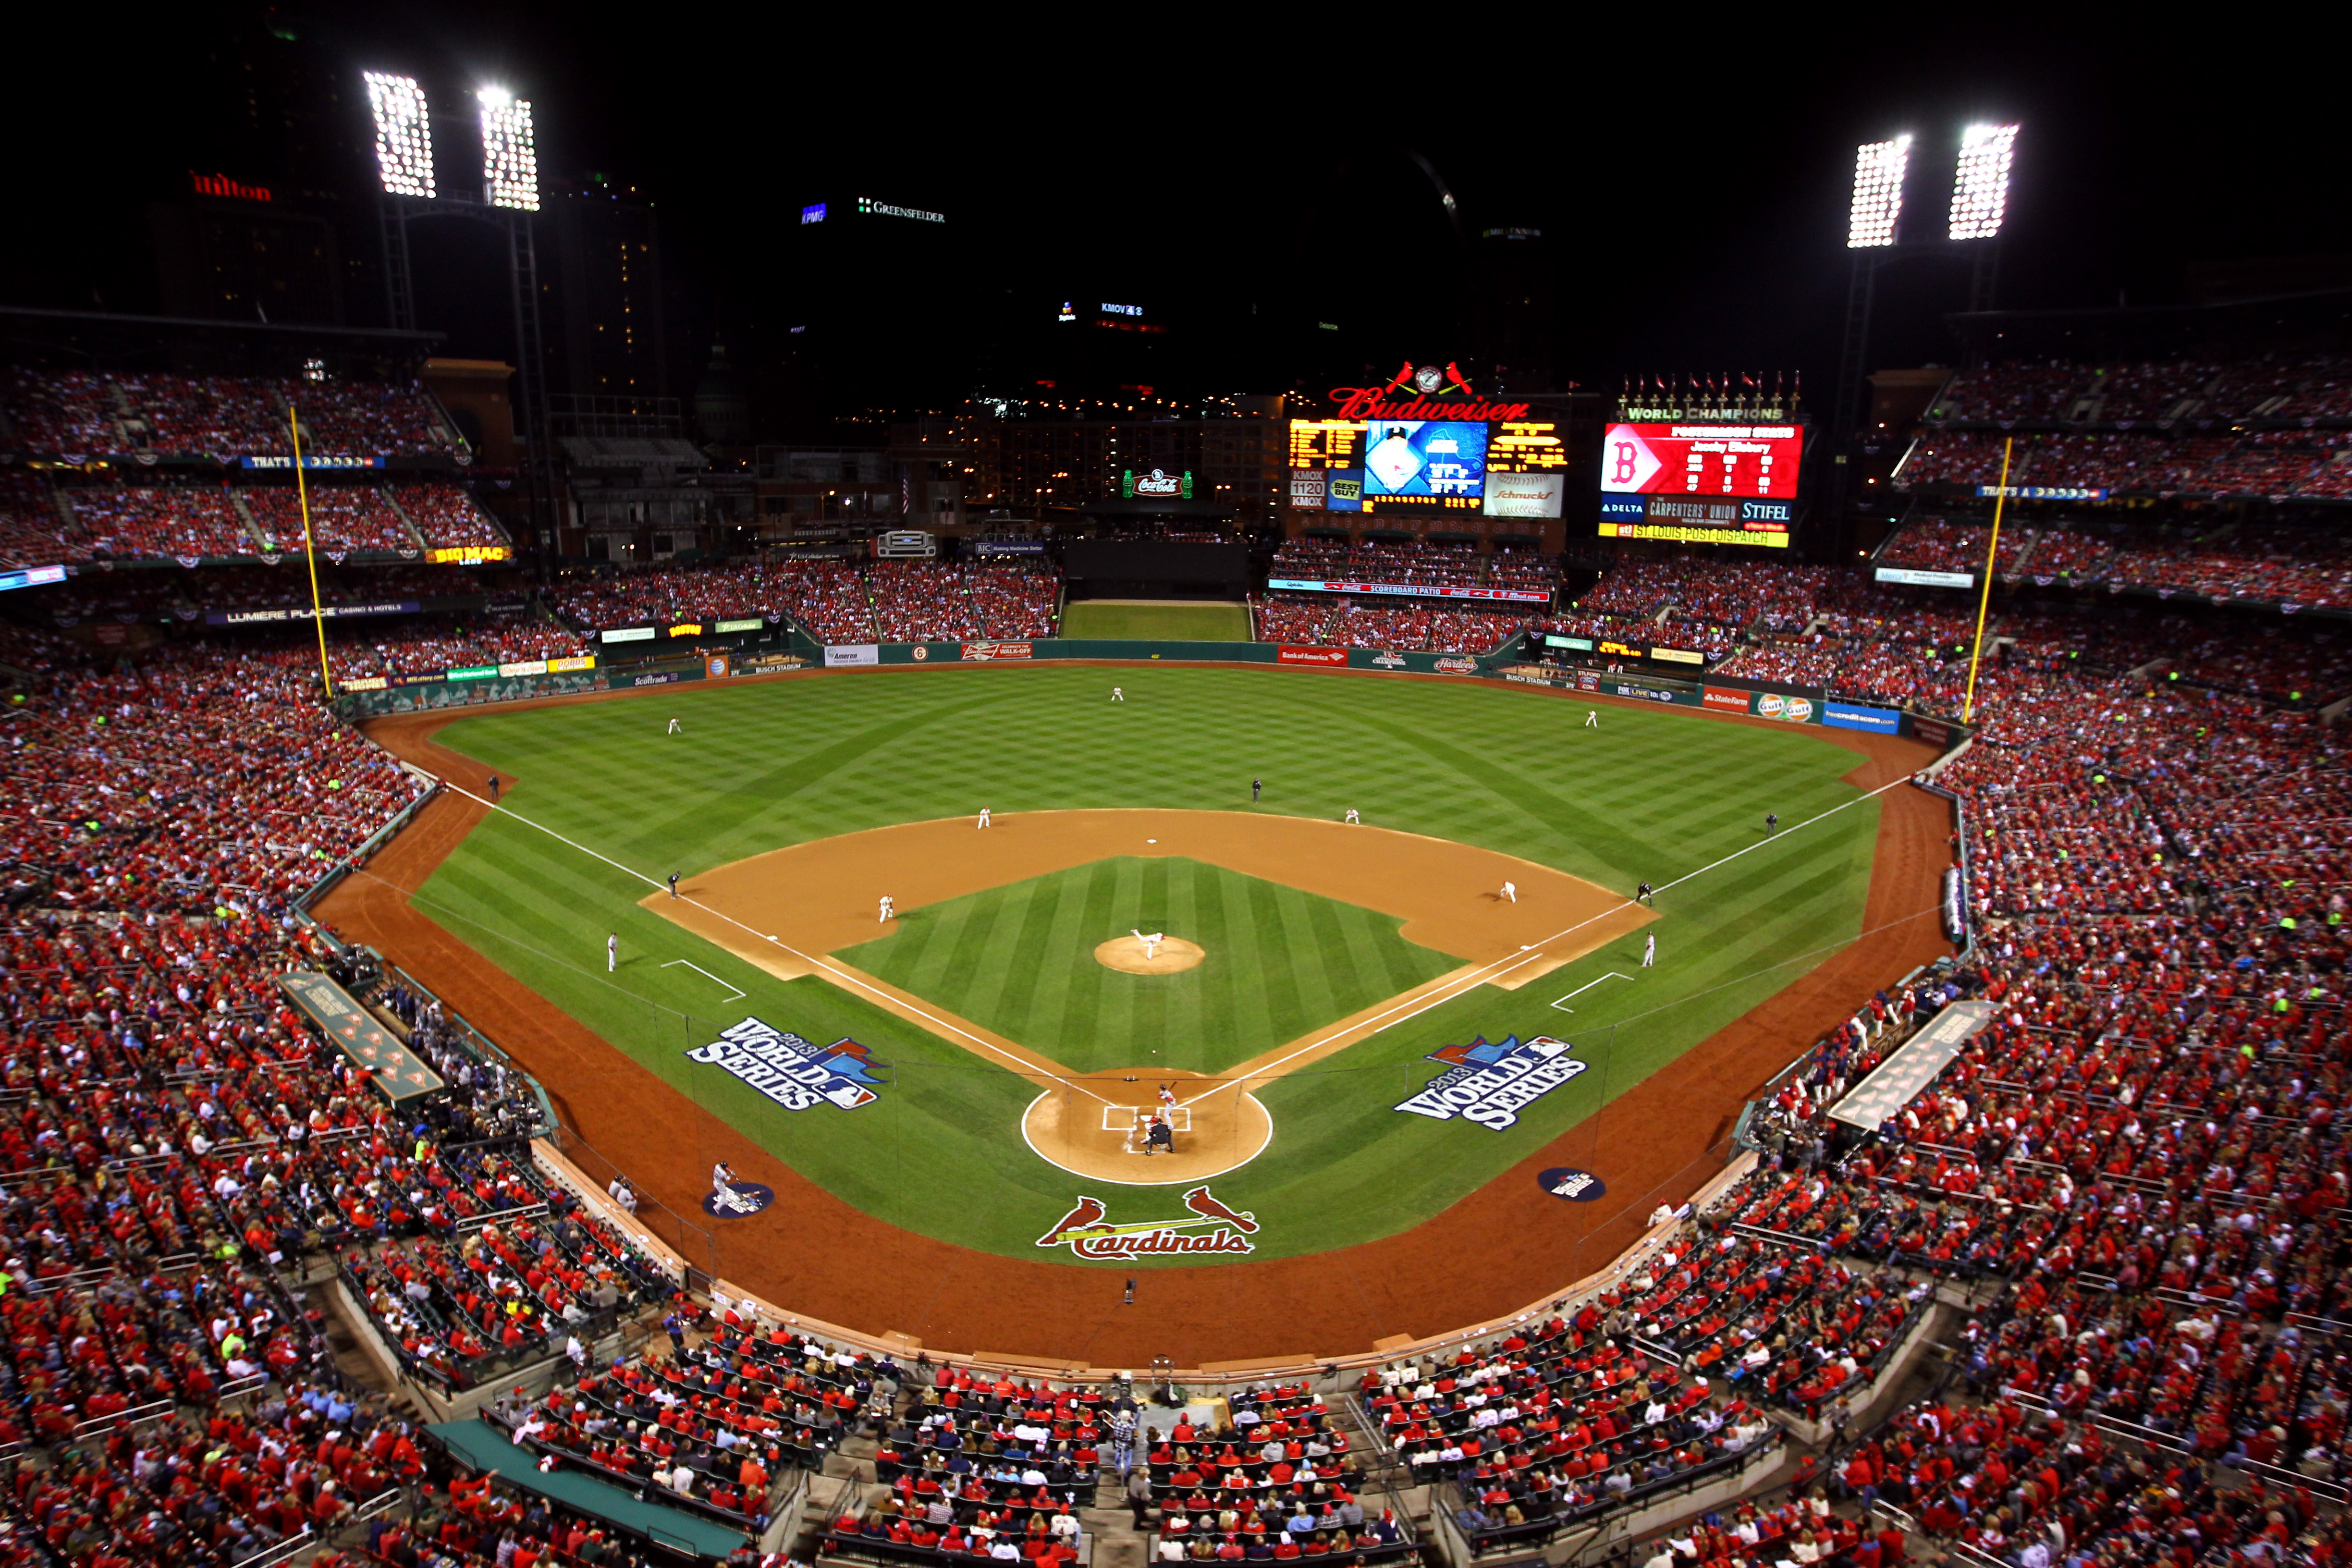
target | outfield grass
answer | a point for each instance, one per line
(1652, 794)
(1020, 959)
(1172, 621)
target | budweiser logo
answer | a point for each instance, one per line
(1365, 403)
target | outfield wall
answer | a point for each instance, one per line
(1719, 694)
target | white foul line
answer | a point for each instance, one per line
(1464, 979)
(838, 975)
(1562, 1002)
(674, 962)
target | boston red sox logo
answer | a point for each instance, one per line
(1088, 1232)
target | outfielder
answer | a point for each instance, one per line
(1510, 892)
(1150, 943)
(674, 728)
(1352, 816)
(888, 912)
(1592, 717)
(1116, 695)
(983, 816)
(1649, 950)
(611, 952)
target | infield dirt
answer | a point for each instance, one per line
(1502, 1247)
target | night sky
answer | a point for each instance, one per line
(1690, 181)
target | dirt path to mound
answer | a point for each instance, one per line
(1492, 1253)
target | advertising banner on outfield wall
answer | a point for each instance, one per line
(839, 654)
(1846, 716)
(1289, 655)
(1790, 709)
(1937, 732)
(978, 652)
(1417, 663)
(1727, 701)
(768, 663)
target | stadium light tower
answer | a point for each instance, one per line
(509, 152)
(403, 136)
(1981, 182)
(508, 197)
(1878, 170)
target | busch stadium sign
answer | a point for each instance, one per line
(789, 1069)
(1491, 1084)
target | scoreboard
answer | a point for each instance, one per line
(1755, 461)
(1499, 467)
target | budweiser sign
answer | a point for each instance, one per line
(1374, 403)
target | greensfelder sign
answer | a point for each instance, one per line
(373, 1049)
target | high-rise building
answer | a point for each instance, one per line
(878, 307)
(614, 339)
(1511, 308)
(234, 250)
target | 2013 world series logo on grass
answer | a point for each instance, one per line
(790, 1070)
(1491, 1084)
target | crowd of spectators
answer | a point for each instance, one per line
(80, 413)
(182, 521)
(1450, 565)
(836, 601)
(2297, 463)
(2318, 387)
(448, 517)
(1344, 621)
(425, 644)
(342, 518)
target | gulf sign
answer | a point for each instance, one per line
(1794, 709)
(1747, 460)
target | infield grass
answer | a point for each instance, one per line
(1131, 620)
(1020, 959)
(1651, 795)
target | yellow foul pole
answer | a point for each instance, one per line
(1992, 553)
(310, 551)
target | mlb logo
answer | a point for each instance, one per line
(1575, 1187)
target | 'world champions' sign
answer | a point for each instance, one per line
(1491, 1084)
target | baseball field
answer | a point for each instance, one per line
(978, 1072)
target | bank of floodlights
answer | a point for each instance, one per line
(1980, 182)
(509, 155)
(403, 137)
(1878, 168)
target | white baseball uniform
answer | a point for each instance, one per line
(1649, 951)
(1592, 717)
(1116, 695)
(1511, 892)
(983, 816)
(887, 910)
(611, 952)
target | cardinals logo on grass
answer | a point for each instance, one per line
(1090, 1233)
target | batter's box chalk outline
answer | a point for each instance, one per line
(1127, 1117)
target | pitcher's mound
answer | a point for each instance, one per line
(1124, 954)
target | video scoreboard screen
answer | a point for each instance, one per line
(1756, 461)
(1501, 468)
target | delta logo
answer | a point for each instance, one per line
(1090, 1234)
